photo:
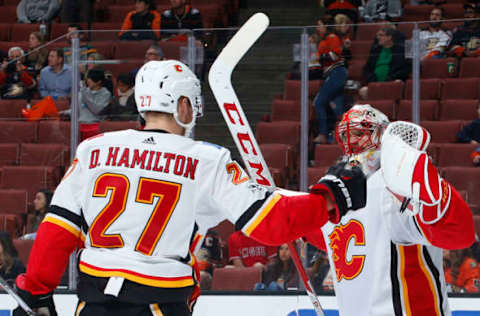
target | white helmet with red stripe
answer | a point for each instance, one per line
(159, 85)
(359, 133)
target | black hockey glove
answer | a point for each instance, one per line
(43, 303)
(346, 187)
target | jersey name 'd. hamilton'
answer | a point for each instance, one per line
(165, 162)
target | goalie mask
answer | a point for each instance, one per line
(160, 84)
(359, 134)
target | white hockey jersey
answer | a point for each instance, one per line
(383, 264)
(434, 41)
(141, 194)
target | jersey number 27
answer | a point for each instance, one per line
(168, 194)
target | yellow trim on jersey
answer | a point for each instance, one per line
(136, 278)
(406, 301)
(156, 310)
(266, 210)
(429, 278)
(64, 225)
(80, 307)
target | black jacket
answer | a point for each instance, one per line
(399, 67)
(470, 132)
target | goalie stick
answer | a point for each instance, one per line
(17, 298)
(219, 78)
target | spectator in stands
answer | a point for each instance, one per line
(466, 40)
(37, 56)
(386, 61)
(144, 17)
(56, 78)
(342, 29)
(10, 265)
(123, 106)
(108, 82)
(476, 157)
(280, 274)
(320, 271)
(462, 270)
(378, 10)
(154, 52)
(435, 38)
(346, 7)
(41, 203)
(335, 73)
(15, 82)
(246, 252)
(35, 11)
(85, 48)
(471, 132)
(209, 256)
(181, 16)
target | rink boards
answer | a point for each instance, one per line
(251, 305)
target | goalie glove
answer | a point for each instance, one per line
(346, 186)
(43, 302)
(408, 171)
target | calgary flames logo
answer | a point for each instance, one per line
(339, 241)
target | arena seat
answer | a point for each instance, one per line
(55, 155)
(416, 12)
(11, 2)
(367, 32)
(453, 10)
(326, 155)
(9, 154)
(8, 14)
(388, 107)
(458, 110)
(406, 29)
(390, 90)
(442, 131)
(450, 155)
(314, 174)
(117, 13)
(20, 32)
(5, 29)
(436, 68)
(461, 88)
(476, 223)
(107, 49)
(236, 279)
(355, 69)
(24, 247)
(429, 89)
(361, 49)
(110, 126)
(428, 110)
(465, 178)
(281, 157)
(286, 110)
(469, 67)
(13, 201)
(292, 90)
(14, 177)
(125, 67)
(54, 131)
(6, 45)
(224, 230)
(131, 49)
(105, 31)
(18, 132)
(282, 132)
(60, 29)
(11, 223)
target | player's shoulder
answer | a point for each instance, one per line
(103, 138)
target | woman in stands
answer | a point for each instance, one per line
(331, 61)
(40, 206)
(281, 274)
(10, 265)
(36, 58)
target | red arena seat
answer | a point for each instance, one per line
(361, 49)
(292, 90)
(5, 29)
(286, 110)
(326, 155)
(450, 155)
(54, 132)
(11, 223)
(55, 155)
(131, 49)
(8, 13)
(385, 90)
(461, 88)
(442, 131)
(388, 107)
(436, 68)
(281, 157)
(13, 177)
(20, 32)
(428, 110)
(314, 174)
(18, 132)
(355, 69)
(458, 110)
(367, 32)
(13, 201)
(236, 279)
(24, 247)
(465, 178)
(9, 154)
(283, 132)
(469, 67)
(429, 89)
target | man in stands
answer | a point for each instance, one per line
(144, 17)
(85, 48)
(180, 16)
(15, 82)
(247, 252)
(134, 200)
(435, 38)
(56, 78)
(466, 40)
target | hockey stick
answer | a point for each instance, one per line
(17, 298)
(219, 78)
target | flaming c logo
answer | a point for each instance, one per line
(339, 241)
(178, 68)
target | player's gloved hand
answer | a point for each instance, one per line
(43, 302)
(346, 186)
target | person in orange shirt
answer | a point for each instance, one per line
(144, 17)
(462, 271)
(331, 61)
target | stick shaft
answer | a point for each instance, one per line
(17, 298)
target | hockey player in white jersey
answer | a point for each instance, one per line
(132, 200)
(387, 257)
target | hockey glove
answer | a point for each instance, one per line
(346, 186)
(42, 302)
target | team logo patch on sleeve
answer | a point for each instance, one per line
(238, 174)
